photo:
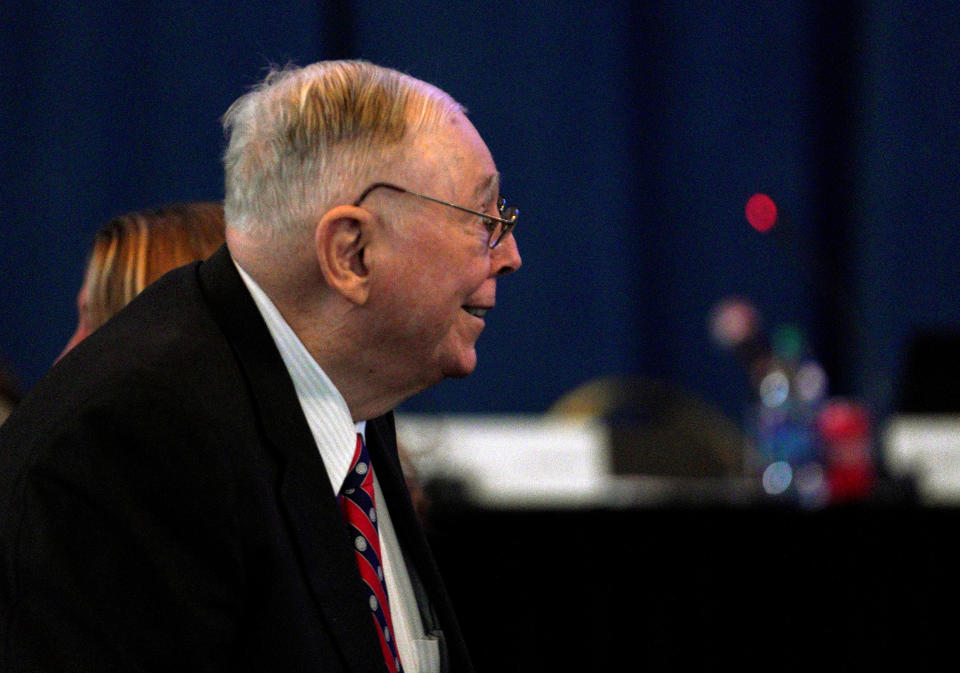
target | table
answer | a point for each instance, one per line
(698, 586)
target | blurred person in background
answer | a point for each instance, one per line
(9, 392)
(133, 250)
(129, 252)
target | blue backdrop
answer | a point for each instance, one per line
(631, 134)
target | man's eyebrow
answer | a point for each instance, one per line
(489, 189)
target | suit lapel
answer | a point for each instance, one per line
(311, 510)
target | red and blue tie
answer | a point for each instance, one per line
(360, 511)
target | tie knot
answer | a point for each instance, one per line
(359, 473)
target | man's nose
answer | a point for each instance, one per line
(506, 256)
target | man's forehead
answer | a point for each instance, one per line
(456, 156)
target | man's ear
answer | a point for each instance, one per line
(340, 239)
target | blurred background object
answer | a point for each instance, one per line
(656, 428)
(803, 442)
(921, 437)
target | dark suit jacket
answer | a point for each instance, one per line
(163, 506)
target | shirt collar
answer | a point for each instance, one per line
(326, 411)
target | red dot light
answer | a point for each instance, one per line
(761, 212)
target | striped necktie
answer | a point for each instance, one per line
(359, 509)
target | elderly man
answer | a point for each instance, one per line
(210, 481)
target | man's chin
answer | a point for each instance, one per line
(463, 366)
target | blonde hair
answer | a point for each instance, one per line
(309, 138)
(133, 250)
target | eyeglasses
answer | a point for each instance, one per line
(498, 227)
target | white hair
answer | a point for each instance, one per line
(306, 139)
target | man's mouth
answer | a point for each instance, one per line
(475, 311)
